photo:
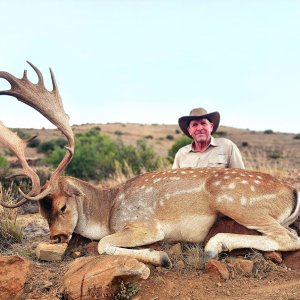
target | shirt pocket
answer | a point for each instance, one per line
(220, 161)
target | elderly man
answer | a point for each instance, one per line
(205, 150)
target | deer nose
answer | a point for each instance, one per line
(59, 238)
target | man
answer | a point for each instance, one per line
(205, 150)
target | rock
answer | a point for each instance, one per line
(90, 276)
(35, 231)
(240, 266)
(274, 256)
(179, 264)
(216, 268)
(292, 259)
(227, 225)
(76, 254)
(50, 252)
(13, 273)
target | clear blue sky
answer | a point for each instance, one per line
(152, 61)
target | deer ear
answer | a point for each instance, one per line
(70, 188)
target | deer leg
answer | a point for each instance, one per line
(134, 235)
(275, 238)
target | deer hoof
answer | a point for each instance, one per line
(165, 261)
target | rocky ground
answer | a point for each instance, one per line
(240, 275)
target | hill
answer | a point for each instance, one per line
(260, 150)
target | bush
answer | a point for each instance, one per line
(179, 143)
(149, 137)
(297, 136)
(245, 144)
(34, 143)
(177, 131)
(170, 137)
(10, 231)
(3, 163)
(49, 146)
(98, 157)
(269, 131)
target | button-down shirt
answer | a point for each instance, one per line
(221, 153)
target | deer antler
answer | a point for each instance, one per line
(17, 145)
(49, 104)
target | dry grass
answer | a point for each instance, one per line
(10, 230)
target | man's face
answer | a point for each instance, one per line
(200, 130)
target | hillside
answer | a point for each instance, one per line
(260, 150)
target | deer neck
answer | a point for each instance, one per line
(94, 211)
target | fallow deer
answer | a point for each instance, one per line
(170, 205)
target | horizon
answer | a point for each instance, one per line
(151, 62)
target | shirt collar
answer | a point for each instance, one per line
(213, 143)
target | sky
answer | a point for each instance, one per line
(152, 61)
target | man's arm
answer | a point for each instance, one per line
(236, 160)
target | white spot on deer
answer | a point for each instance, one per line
(237, 177)
(141, 188)
(161, 201)
(257, 181)
(233, 172)
(149, 190)
(243, 175)
(174, 172)
(216, 175)
(259, 177)
(183, 172)
(184, 192)
(250, 175)
(262, 198)
(224, 198)
(252, 188)
(231, 186)
(122, 196)
(194, 176)
(217, 183)
(175, 178)
(244, 201)
(146, 179)
(191, 172)
(156, 180)
(244, 182)
(226, 177)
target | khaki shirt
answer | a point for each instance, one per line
(221, 153)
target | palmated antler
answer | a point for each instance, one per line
(49, 104)
(11, 140)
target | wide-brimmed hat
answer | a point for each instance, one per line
(199, 113)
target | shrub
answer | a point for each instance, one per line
(149, 137)
(275, 155)
(170, 137)
(245, 144)
(48, 146)
(179, 143)
(177, 131)
(98, 157)
(297, 136)
(118, 132)
(10, 231)
(34, 143)
(268, 131)
(3, 162)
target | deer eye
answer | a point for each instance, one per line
(63, 208)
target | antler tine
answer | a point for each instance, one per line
(49, 104)
(17, 145)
